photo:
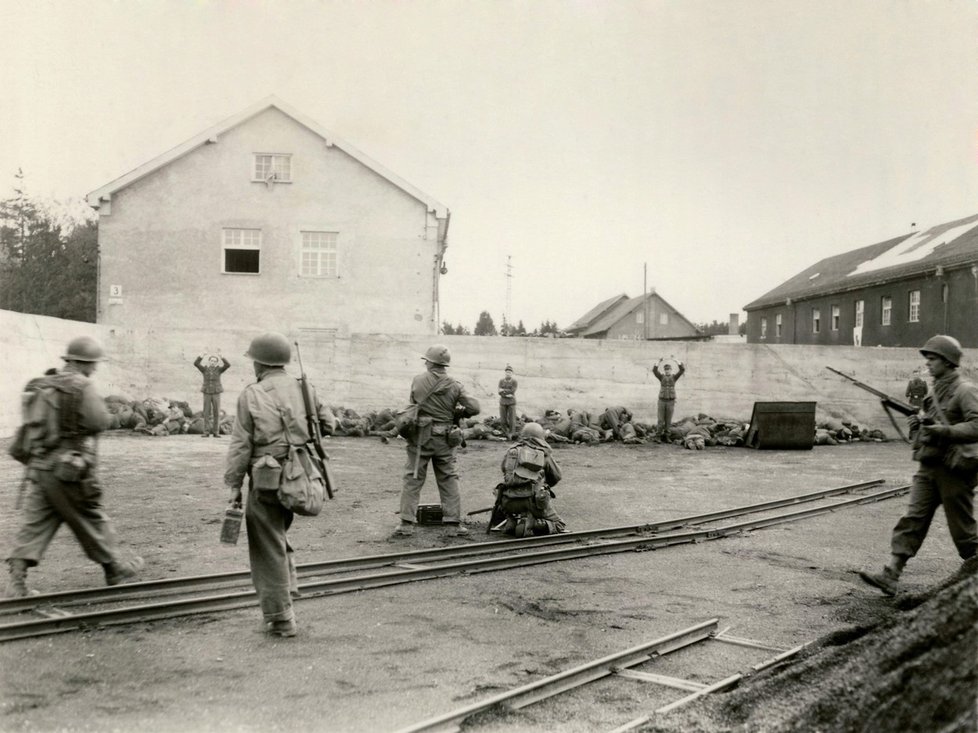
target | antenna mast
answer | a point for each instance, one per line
(509, 290)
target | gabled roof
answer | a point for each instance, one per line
(626, 308)
(213, 133)
(946, 245)
(596, 312)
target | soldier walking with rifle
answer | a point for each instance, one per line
(440, 400)
(272, 414)
(945, 443)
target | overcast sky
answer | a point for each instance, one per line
(725, 144)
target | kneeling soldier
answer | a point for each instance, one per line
(529, 470)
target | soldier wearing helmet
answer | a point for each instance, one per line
(442, 401)
(270, 416)
(523, 497)
(946, 430)
(62, 479)
(211, 389)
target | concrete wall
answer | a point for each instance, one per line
(367, 371)
(167, 228)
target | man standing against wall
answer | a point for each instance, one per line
(667, 393)
(435, 438)
(507, 403)
(212, 389)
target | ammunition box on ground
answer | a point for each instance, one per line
(429, 514)
(788, 425)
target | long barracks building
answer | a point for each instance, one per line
(895, 293)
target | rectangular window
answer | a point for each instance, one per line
(836, 317)
(913, 312)
(242, 251)
(886, 310)
(664, 319)
(271, 167)
(639, 316)
(318, 254)
(764, 328)
(816, 320)
(860, 309)
(777, 325)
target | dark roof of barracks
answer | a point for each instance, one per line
(945, 245)
(596, 312)
(626, 307)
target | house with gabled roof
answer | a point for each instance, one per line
(648, 317)
(269, 221)
(898, 292)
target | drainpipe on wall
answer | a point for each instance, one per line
(439, 269)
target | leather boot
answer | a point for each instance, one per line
(17, 587)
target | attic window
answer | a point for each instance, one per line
(812, 277)
(272, 168)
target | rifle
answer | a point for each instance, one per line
(312, 422)
(889, 403)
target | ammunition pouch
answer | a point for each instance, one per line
(454, 437)
(266, 473)
(70, 467)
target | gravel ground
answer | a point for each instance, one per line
(382, 659)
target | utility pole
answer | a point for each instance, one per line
(509, 290)
(645, 301)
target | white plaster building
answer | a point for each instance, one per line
(268, 221)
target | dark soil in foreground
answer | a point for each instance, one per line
(911, 670)
(384, 659)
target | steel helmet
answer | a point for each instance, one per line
(438, 354)
(533, 430)
(270, 349)
(946, 347)
(83, 348)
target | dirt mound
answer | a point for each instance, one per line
(913, 670)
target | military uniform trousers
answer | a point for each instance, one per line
(442, 457)
(507, 417)
(666, 408)
(537, 504)
(212, 413)
(48, 504)
(272, 565)
(933, 486)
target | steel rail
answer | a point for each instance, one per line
(561, 682)
(141, 589)
(614, 665)
(242, 599)
(723, 684)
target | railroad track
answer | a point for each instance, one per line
(620, 666)
(67, 611)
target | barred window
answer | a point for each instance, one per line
(241, 251)
(318, 254)
(273, 167)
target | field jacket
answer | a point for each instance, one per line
(958, 400)
(264, 409)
